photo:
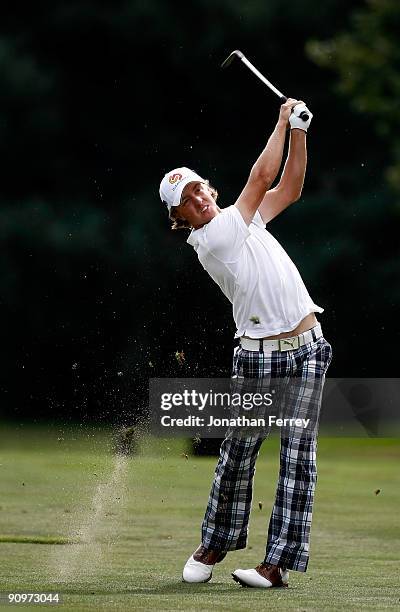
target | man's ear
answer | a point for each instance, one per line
(176, 214)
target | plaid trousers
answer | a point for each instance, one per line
(225, 524)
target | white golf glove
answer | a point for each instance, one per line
(295, 119)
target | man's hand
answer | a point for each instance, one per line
(286, 110)
(295, 121)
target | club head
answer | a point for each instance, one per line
(231, 57)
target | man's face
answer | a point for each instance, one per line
(197, 205)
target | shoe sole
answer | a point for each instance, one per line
(200, 582)
(250, 586)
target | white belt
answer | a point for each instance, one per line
(283, 344)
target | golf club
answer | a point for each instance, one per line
(262, 78)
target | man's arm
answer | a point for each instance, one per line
(290, 185)
(265, 169)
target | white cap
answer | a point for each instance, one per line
(173, 184)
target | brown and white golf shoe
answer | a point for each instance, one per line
(200, 565)
(264, 576)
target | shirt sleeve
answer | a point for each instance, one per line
(225, 235)
(258, 220)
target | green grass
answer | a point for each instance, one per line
(135, 543)
(20, 539)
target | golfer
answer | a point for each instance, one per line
(279, 336)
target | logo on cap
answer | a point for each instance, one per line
(174, 177)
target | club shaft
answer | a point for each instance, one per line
(303, 115)
(261, 77)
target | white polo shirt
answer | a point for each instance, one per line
(255, 273)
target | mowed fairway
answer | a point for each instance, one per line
(134, 522)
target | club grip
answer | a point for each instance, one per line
(303, 115)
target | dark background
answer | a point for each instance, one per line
(98, 101)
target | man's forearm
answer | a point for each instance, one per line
(265, 169)
(268, 164)
(293, 174)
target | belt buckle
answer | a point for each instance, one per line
(289, 344)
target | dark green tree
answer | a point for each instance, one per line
(366, 58)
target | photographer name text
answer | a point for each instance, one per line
(240, 421)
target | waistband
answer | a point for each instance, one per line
(283, 344)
